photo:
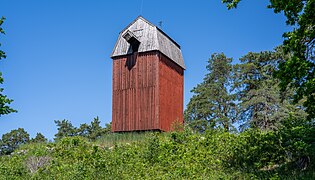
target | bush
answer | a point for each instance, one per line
(215, 154)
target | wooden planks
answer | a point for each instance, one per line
(171, 82)
(134, 92)
(147, 92)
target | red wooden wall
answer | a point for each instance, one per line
(171, 93)
(147, 92)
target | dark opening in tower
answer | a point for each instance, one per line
(132, 40)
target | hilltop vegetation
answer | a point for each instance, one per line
(215, 154)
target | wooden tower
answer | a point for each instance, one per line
(148, 79)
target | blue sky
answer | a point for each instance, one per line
(58, 62)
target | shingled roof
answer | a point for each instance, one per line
(150, 38)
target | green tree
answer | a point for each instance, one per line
(256, 91)
(212, 105)
(108, 128)
(261, 104)
(95, 130)
(65, 129)
(91, 131)
(299, 69)
(4, 101)
(39, 138)
(12, 140)
(83, 130)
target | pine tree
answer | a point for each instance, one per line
(83, 130)
(212, 105)
(65, 129)
(258, 92)
(39, 138)
(95, 130)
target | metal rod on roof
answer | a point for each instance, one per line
(160, 24)
(141, 7)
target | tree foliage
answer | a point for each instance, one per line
(12, 140)
(2, 54)
(299, 69)
(95, 130)
(261, 104)
(212, 104)
(247, 93)
(65, 129)
(83, 130)
(39, 138)
(92, 131)
(4, 100)
(231, 3)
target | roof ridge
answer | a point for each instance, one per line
(139, 17)
(147, 21)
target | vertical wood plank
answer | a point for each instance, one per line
(147, 96)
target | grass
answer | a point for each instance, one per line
(111, 139)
